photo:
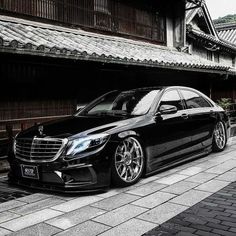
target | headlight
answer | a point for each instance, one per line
(14, 143)
(81, 144)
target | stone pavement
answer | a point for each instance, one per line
(129, 211)
(215, 215)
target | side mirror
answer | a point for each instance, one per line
(79, 108)
(168, 109)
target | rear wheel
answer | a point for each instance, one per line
(219, 137)
(128, 162)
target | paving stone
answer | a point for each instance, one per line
(222, 158)
(201, 177)
(174, 178)
(206, 165)
(185, 234)
(154, 199)
(180, 187)
(233, 229)
(223, 232)
(169, 172)
(133, 227)
(4, 232)
(10, 204)
(205, 233)
(5, 216)
(41, 229)
(110, 193)
(162, 213)
(228, 176)
(225, 218)
(36, 206)
(147, 189)
(75, 217)
(115, 201)
(217, 170)
(88, 228)
(190, 198)
(31, 219)
(222, 168)
(120, 215)
(148, 180)
(217, 226)
(212, 186)
(34, 197)
(205, 217)
(191, 171)
(76, 203)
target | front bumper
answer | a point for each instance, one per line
(91, 175)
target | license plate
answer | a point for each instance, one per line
(30, 171)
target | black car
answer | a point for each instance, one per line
(117, 138)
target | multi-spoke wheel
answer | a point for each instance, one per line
(219, 137)
(128, 162)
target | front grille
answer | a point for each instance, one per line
(38, 149)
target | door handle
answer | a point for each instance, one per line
(184, 116)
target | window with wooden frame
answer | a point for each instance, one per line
(209, 55)
(217, 57)
(102, 14)
(233, 61)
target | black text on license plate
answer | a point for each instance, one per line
(30, 171)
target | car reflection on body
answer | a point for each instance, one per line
(117, 138)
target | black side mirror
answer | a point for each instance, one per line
(168, 109)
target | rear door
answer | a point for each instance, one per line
(201, 119)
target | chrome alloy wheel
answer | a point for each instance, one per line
(219, 135)
(129, 159)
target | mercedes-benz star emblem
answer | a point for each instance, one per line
(40, 129)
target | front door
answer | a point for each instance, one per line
(169, 133)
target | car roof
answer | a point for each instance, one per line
(159, 88)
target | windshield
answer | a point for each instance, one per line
(133, 102)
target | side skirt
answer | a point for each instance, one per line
(205, 152)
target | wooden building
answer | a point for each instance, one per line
(59, 54)
(207, 41)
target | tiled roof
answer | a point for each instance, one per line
(227, 31)
(220, 42)
(21, 36)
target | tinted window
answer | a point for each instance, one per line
(194, 100)
(129, 102)
(172, 98)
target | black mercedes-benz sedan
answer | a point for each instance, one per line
(117, 138)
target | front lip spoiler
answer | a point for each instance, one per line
(67, 188)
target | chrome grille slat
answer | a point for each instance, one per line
(39, 149)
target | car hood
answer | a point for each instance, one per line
(75, 126)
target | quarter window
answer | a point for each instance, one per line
(172, 98)
(194, 100)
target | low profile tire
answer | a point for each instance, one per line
(128, 162)
(219, 137)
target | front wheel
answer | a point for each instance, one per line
(219, 137)
(128, 162)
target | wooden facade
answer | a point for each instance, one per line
(141, 19)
